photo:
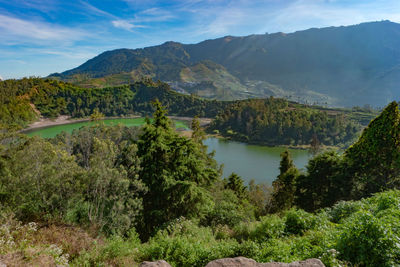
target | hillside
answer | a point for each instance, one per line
(339, 66)
(271, 121)
(117, 196)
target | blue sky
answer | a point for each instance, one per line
(39, 37)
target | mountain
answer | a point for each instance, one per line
(340, 66)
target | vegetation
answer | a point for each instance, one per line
(326, 70)
(277, 121)
(271, 121)
(117, 196)
(23, 100)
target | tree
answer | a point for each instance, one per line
(284, 186)
(235, 183)
(315, 145)
(39, 179)
(198, 133)
(96, 115)
(112, 197)
(323, 184)
(374, 160)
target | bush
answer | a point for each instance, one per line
(298, 221)
(366, 240)
(228, 210)
(184, 243)
(343, 209)
(269, 227)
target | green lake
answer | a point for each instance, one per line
(260, 163)
(52, 131)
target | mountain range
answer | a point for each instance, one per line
(334, 66)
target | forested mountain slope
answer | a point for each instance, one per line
(271, 121)
(341, 66)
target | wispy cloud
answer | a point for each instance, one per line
(16, 30)
(97, 11)
(44, 6)
(125, 24)
(142, 18)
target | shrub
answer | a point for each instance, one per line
(298, 221)
(269, 227)
(343, 209)
(184, 243)
(366, 240)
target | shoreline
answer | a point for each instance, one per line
(298, 147)
(63, 120)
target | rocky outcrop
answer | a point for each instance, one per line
(155, 264)
(245, 262)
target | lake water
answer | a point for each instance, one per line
(260, 163)
(52, 131)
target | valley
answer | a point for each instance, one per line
(168, 134)
(333, 66)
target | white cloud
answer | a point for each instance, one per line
(1, 78)
(15, 30)
(125, 24)
(97, 11)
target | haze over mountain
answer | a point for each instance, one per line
(339, 66)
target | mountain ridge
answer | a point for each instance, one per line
(340, 66)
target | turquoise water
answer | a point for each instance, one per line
(52, 131)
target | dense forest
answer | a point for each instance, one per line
(117, 196)
(272, 121)
(277, 121)
(53, 98)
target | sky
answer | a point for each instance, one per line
(40, 37)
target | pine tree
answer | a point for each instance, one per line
(235, 183)
(284, 186)
(176, 172)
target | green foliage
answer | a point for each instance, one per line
(277, 121)
(183, 243)
(21, 100)
(235, 183)
(96, 115)
(298, 221)
(343, 209)
(324, 184)
(369, 241)
(269, 227)
(80, 179)
(374, 160)
(114, 180)
(41, 187)
(176, 171)
(228, 209)
(285, 185)
(371, 165)
(260, 197)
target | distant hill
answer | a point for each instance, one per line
(337, 66)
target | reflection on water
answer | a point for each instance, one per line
(260, 163)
